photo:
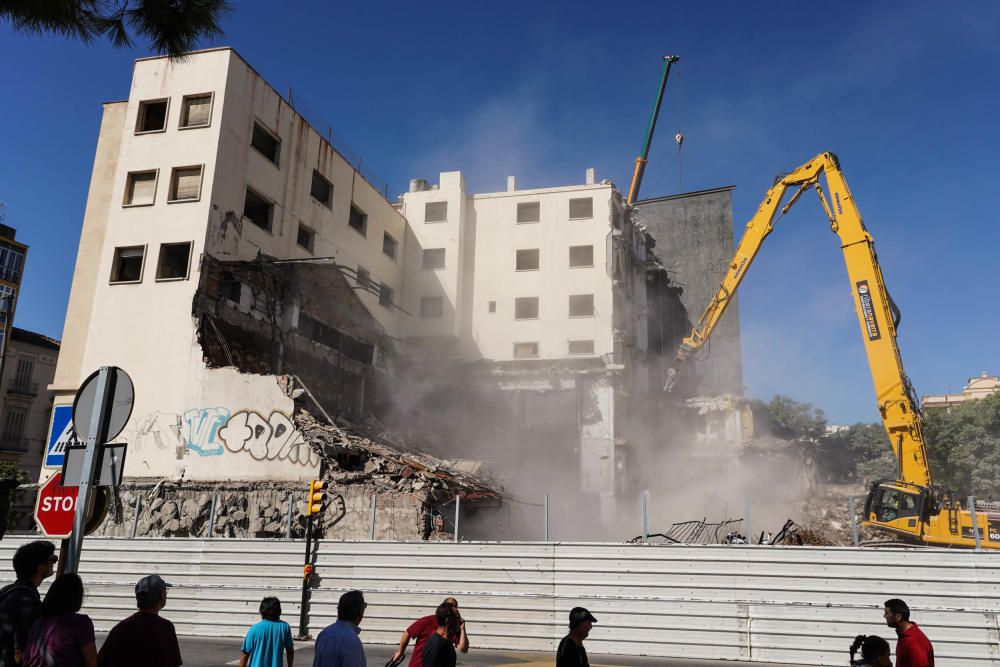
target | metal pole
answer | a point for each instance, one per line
(546, 517)
(291, 510)
(975, 523)
(138, 508)
(645, 517)
(458, 504)
(854, 520)
(211, 518)
(746, 507)
(98, 432)
(306, 572)
(371, 534)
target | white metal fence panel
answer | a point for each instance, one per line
(791, 605)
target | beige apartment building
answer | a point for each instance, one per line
(978, 387)
(29, 366)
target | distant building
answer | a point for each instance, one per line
(27, 402)
(12, 256)
(978, 387)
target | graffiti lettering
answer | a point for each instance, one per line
(201, 426)
(274, 438)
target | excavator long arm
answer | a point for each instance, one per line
(877, 315)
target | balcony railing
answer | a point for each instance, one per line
(23, 387)
(13, 444)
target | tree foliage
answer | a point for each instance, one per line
(172, 27)
(963, 445)
(788, 419)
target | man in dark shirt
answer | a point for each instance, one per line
(439, 650)
(913, 649)
(571, 652)
(145, 637)
(20, 604)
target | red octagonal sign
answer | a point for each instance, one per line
(56, 507)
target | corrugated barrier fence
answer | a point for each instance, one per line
(799, 605)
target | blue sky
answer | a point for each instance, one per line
(907, 94)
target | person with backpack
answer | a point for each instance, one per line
(268, 639)
(20, 604)
(62, 637)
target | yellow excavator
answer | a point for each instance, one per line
(910, 507)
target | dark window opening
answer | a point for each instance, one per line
(358, 220)
(436, 211)
(127, 267)
(266, 143)
(529, 212)
(581, 255)
(152, 116)
(306, 238)
(174, 260)
(321, 189)
(258, 210)
(389, 245)
(580, 209)
(581, 305)
(385, 294)
(526, 308)
(527, 260)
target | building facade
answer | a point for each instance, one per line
(12, 257)
(30, 365)
(977, 387)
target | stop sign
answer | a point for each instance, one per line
(56, 507)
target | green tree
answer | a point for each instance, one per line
(963, 445)
(788, 419)
(859, 453)
(172, 27)
(10, 469)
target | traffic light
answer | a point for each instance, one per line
(317, 496)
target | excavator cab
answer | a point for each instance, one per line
(898, 507)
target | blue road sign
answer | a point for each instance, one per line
(60, 435)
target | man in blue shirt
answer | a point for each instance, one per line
(339, 644)
(267, 640)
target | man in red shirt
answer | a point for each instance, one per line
(423, 628)
(913, 649)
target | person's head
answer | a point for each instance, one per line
(351, 607)
(580, 622)
(445, 612)
(151, 593)
(270, 609)
(874, 650)
(65, 595)
(896, 613)
(35, 560)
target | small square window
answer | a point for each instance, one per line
(258, 210)
(364, 276)
(306, 238)
(152, 116)
(358, 220)
(127, 265)
(321, 189)
(434, 258)
(525, 350)
(581, 305)
(581, 209)
(196, 111)
(527, 260)
(230, 288)
(581, 347)
(389, 245)
(185, 184)
(436, 211)
(432, 307)
(529, 212)
(385, 295)
(265, 142)
(526, 308)
(493, 306)
(581, 255)
(175, 260)
(140, 188)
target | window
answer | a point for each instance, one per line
(185, 184)
(11, 263)
(581, 255)
(152, 116)
(358, 220)
(527, 260)
(493, 306)
(436, 211)
(306, 238)
(13, 429)
(431, 307)
(529, 212)
(525, 350)
(140, 188)
(230, 288)
(321, 190)
(127, 265)
(385, 295)
(580, 209)
(196, 111)
(364, 276)
(389, 245)
(526, 308)
(265, 142)
(258, 210)
(581, 305)
(581, 347)
(174, 261)
(434, 258)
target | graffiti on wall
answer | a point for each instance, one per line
(201, 427)
(274, 438)
(160, 430)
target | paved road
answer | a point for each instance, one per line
(212, 652)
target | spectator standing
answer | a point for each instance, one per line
(421, 629)
(144, 638)
(268, 639)
(571, 652)
(20, 604)
(439, 649)
(913, 649)
(874, 652)
(339, 644)
(62, 637)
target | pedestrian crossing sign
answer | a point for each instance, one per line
(61, 434)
